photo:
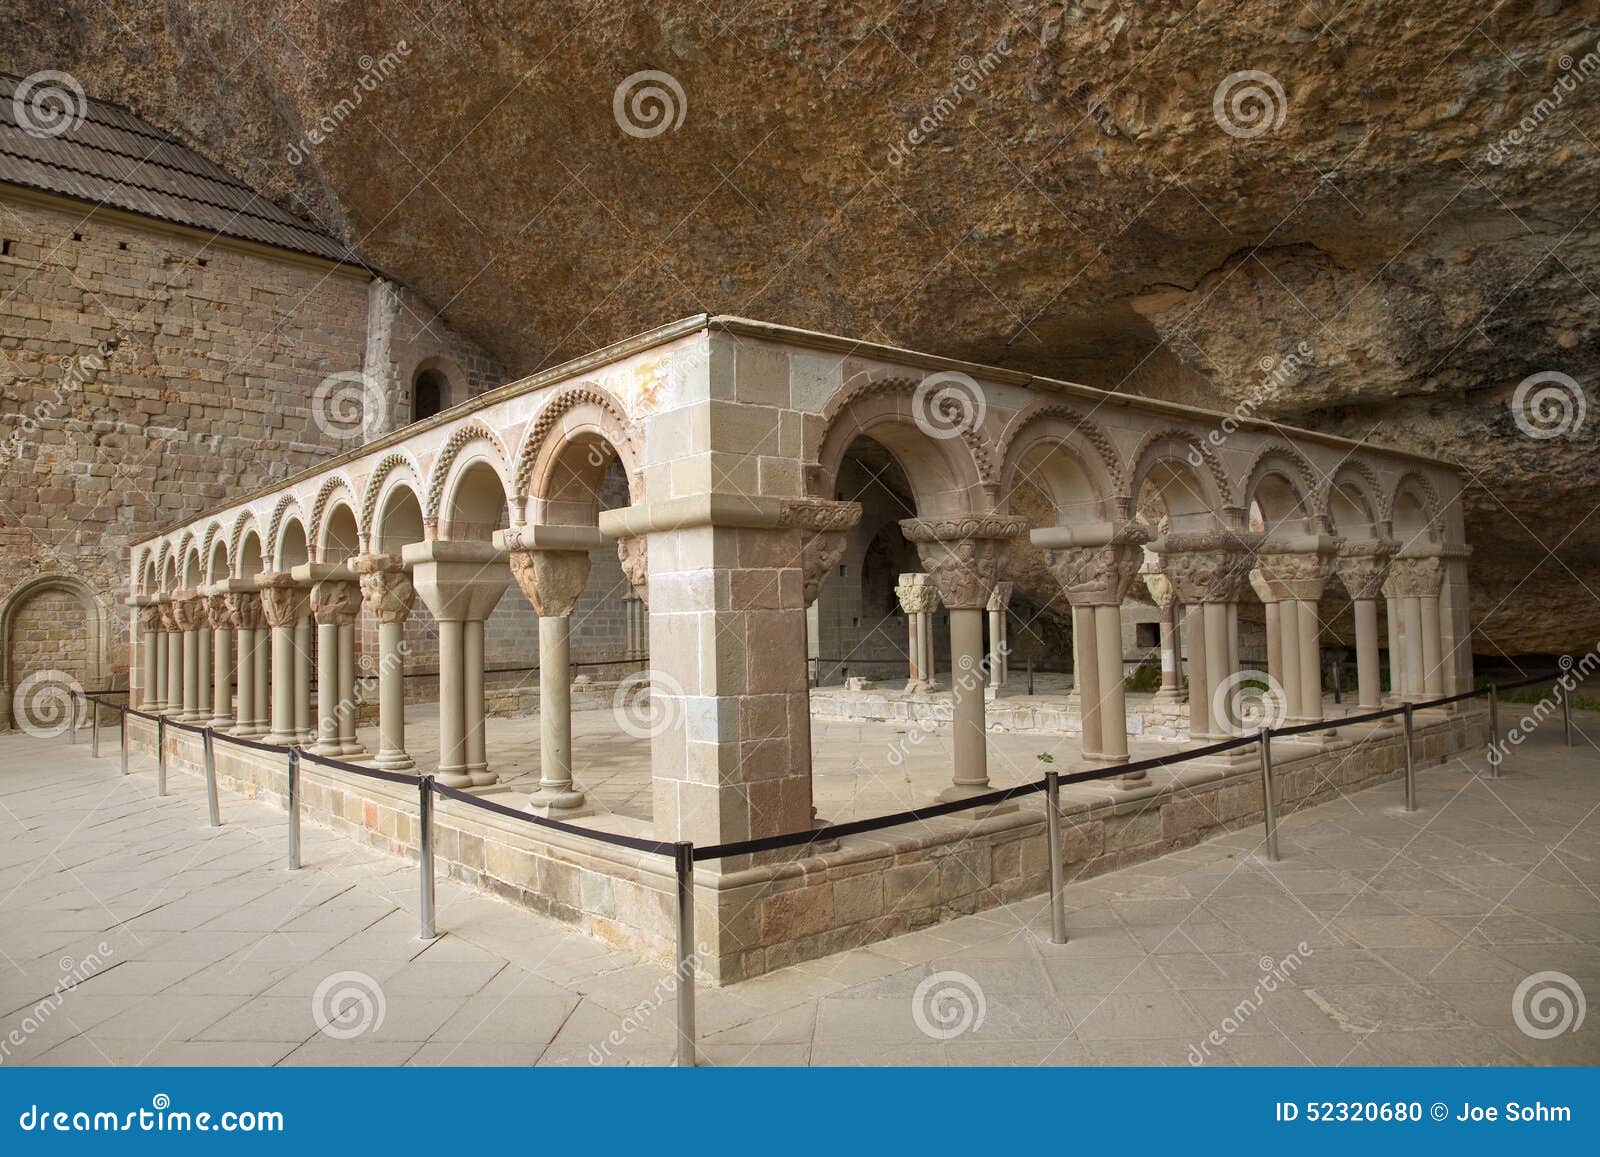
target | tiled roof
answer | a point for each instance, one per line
(112, 157)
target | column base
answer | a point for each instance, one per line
(916, 687)
(248, 731)
(352, 752)
(221, 723)
(1170, 696)
(558, 804)
(394, 761)
(329, 748)
(454, 777)
(280, 739)
(482, 776)
(992, 693)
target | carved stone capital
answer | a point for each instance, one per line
(632, 553)
(1210, 566)
(824, 527)
(1414, 578)
(963, 554)
(244, 609)
(189, 611)
(221, 614)
(552, 579)
(1363, 566)
(169, 621)
(283, 601)
(385, 586)
(1263, 587)
(336, 602)
(1000, 597)
(150, 619)
(1159, 586)
(1096, 576)
(1295, 575)
(917, 593)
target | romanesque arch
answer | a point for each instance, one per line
(467, 446)
(95, 635)
(1069, 457)
(569, 445)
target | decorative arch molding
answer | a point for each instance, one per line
(1093, 435)
(1197, 449)
(243, 524)
(323, 503)
(863, 387)
(208, 547)
(163, 556)
(269, 547)
(1284, 460)
(612, 423)
(96, 614)
(143, 560)
(1367, 484)
(461, 438)
(1433, 508)
(373, 493)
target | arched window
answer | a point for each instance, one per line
(428, 394)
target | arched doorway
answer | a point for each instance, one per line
(53, 639)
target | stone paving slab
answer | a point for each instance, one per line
(131, 933)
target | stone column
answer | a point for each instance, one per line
(284, 605)
(1362, 566)
(551, 566)
(389, 595)
(1397, 678)
(244, 609)
(1209, 570)
(186, 617)
(1160, 588)
(304, 633)
(171, 659)
(222, 628)
(336, 604)
(919, 599)
(1269, 603)
(150, 647)
(999, 600)
(202, 633)
(963, 557)
(1096, 566)
(460, 582)
(1414, 581)
(1297, 569)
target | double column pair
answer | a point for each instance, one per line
(919, 599)
(1292, 575)
(1209, 571)
(1413, 589)
(1096, 564)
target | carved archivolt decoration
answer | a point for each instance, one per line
(269, 549)
(1197, 449)
(1430, 497)
(206, 544)
(387, 465)
(1293, 465)
(242, 525)
(458, 441)
(863, 386)
(1091, 432)
(614, 425)
(319, 505)
(1371, 488)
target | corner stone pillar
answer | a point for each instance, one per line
(389, 595)
(963, 556)
(1209, 572)
(1414, 584)
(148, 617)
(284, 605)
(1362, 567)
(999, 645)
(170, 669)
(460, 582)
(1096, 572)
(186, 611)
(551, 566)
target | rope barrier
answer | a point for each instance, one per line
(653, 847)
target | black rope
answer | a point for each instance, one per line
(653, 847)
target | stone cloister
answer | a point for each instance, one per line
(732, 440)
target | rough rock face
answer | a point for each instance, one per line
(1076, 204)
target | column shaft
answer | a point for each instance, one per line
(1217, 671)
(261, 659)
(349, 745)
(1274, 640)
(1086, 680)
(1113, 695)
(1289, 656)
(221, 677)
(191, 675)
(327, 689)
(1411, 627)
(555, 717)
(1199, 677)
(204, 675)
(392, 754)
(283, 664)
(1367, 674)
(966, 687)
(149, 693)
(1310, 660)
(452, 733)
(300, 642)
(995, 646)
(1432, 652)
(472, 699)
(245, 644)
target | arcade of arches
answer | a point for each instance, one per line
(725, 510)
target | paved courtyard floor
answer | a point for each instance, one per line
(131, 933)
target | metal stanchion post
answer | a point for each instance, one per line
(72, 718)
(683, 862)
(212, 807)
(122, 736)
(1494, 733)
(1052, 832)
(425, 929)
(161, 755)
(1269, 810)
(1566, 713)
(1411, 770)
(294, 809)
(1030, 676)
(94, 728)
